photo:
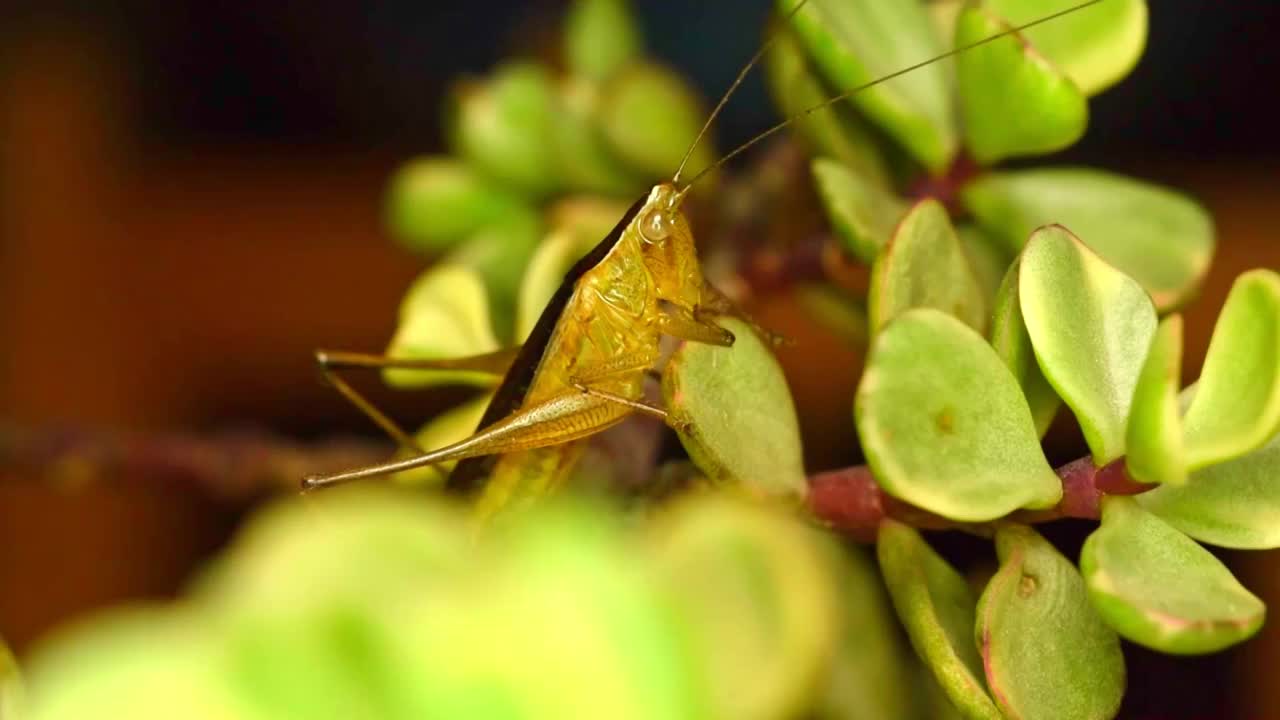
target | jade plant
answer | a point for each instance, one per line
(989, 302)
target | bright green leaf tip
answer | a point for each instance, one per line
(1160, 589)
(1236, 408)
(944, 424)
(1012, 100)
(1153, 439)
(848, 43)
(937, 609)
(1090, 326)
(444, 314)
(924, 265)
(1046, 651)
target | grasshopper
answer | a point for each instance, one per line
(583, 367)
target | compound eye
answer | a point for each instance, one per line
(655, 226)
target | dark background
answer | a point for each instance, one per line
(190, 200)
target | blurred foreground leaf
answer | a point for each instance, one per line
(723, 563)
(504, 127)
(600, 37)
(10, 684)
(1159, 588)
(862, 213)
(434, 202)
(1046, 652)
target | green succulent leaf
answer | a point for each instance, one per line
(444, 314)
(587, 161)
(1153, 439)
(1090, 326)
(988, 258)
(448, 427)
(856, 42)
(924, 265)
(499, 253)
(600, 37)
(1234, 504)
(840, 311)
(1159, 588)
(862, 213)
(136, 663)
(1046, 652)
(434, 202)
(834, 132)
(1158, 237)
(651, 117)
(756, 593)
(10, 684)
(872, 672)
(749, 438)
(505, 127)
(1237, 402)
(1012, 100)
(1096, 46)
(944, 424)
(937, 609)
(1011, 342)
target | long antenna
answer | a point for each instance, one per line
(849, 93)
(742, 75)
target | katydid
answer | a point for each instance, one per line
(584, 365)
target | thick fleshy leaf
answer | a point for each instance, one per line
(1159, 588)
(1159, 237)
(139, 663)
(1096, 46)
(1091, 326)
(1046, 652)
(850, 44)
(924, 265)
(835, 132)
(758, 599)
(499, 253)
(449, 427)
(936, 607)
(587, 161)
(872, 672)
(1012, 100)
(1153, 440)
(838, 310)
(988, 258)
(739, 421)
(1012, 343)
(10, 684)
(1237, 402)
(600, 36)
(433, 202)
(651, 116)
(1233, 504)
(862, 213)
(944, 424)
(444, 314)
(505, 127)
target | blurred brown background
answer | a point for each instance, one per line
(189, 205)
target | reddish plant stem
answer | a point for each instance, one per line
(850, 500)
